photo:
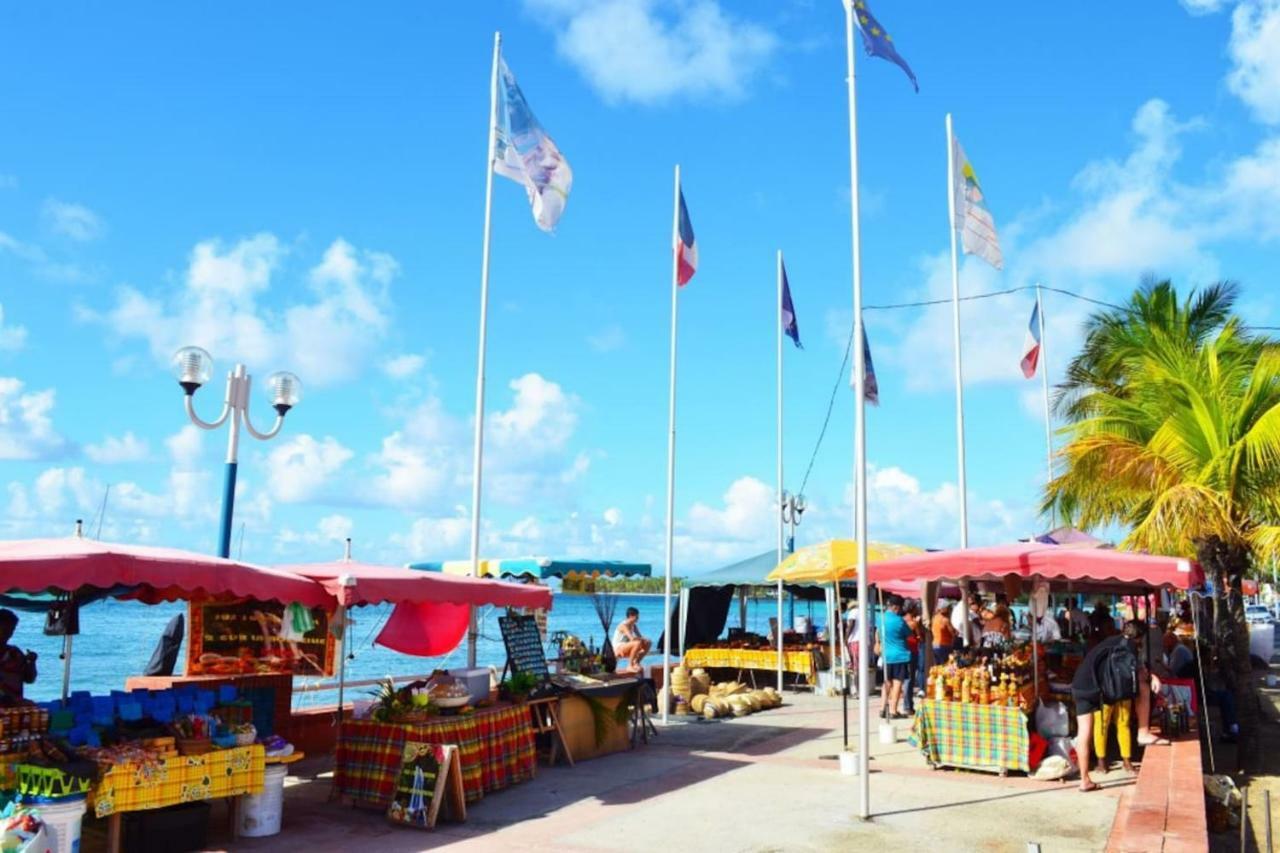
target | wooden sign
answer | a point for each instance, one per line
(430, 776)
(248, 638)
(523, 640)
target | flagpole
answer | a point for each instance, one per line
(781, 494)
(955, 328)
(477, 459)
(671, 451)
(1044, 380)
(859, 442)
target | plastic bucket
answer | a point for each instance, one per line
(260, 813)
(62, 822)
(888, 734)
(849, 763)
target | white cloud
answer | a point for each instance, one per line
(11, 337)
(113, 450)
(26, 428)
(612, 516)
(433, 538)
(608, 339)
(1255, 52)
(403, 366)
(325, 339)
(71, 220)
(1204, 7)
(648, 51)
(299, 469)
(332, 529)
(40, 262)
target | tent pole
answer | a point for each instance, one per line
(844, 669)
(66, 668)
(342, 668)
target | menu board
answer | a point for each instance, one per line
(248, 638)
(429, 775)
(523, 640)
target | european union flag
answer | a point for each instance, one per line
(878, 42)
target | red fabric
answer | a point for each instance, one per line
(162, 574)
(1036, 750)
(1027, 560)
(425, 628)
(378, 584)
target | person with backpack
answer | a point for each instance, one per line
(1110, 675)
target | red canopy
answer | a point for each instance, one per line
(162, 574)
(376, 584)
(1030, 560)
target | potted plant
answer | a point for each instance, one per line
(518, 687)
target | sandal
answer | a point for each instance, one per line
(1154, 741)
(1092, 786)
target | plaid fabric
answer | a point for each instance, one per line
(798, 662)
(496, 747)
(181, 779)
(965, 734)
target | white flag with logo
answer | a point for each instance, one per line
(973, 220)
(525, 154)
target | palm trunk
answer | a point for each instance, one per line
(1226, 564)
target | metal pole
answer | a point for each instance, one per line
(671, 445)
(1044, 381)
(1266, 805)
(782, 495)
(477, 458)
(234, 394)
(859, 430)
(1204, 706)
(66, 668)
(955, 327)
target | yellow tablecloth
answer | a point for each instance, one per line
(803, 663)
(182, 779)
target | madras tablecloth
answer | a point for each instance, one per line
(496, 746)
(803, 663)
(181, 779)
(965, 734)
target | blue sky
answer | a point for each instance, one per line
(301, 187)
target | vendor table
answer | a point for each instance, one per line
(799, 662)
(496, 746)
(130, 787)
(972, 736)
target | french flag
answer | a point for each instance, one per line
(1031, 349)
(686, 248)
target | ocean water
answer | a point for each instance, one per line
(117, 638)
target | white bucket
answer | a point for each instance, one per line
(1262, 641)
(849, 763)
(888, 734)
(62, 823)
(260, 813)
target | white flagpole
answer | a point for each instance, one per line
(955, 325)
(859, 438)
(477, 459)
(781, 493)
(1044, 379)
(671, 451)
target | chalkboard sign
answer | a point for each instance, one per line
(524, 645)
(430, 776)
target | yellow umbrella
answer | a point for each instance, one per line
(834, 560)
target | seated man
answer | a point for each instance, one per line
(628, 642)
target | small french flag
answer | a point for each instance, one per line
(686, 248)
(1031, 349)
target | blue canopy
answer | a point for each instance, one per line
(538, 567)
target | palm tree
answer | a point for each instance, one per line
(1176, 435)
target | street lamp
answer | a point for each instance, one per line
(793, 507)
(193, 367)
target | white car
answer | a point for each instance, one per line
(1257, 614)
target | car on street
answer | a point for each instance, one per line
(1258, 614)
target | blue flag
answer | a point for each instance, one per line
(790, 327)
(870, 386)
(878, 42)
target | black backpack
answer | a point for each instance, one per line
(1119, 676)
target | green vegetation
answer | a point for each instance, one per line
(1173, 412)
(586, 584)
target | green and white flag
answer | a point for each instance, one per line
(973, 220)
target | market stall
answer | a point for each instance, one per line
(978, 706)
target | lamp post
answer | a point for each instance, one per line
(193, 367)
(793, 507)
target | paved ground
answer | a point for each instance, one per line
(751, 784)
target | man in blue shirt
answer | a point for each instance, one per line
(897, 656)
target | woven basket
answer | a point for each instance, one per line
(699, 682)
(194, 745)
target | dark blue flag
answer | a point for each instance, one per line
(790, 327)
(878, 42)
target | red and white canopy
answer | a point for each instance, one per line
(1054, 563)
(353, 583)
(155, 574)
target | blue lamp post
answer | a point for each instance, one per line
(193, 367)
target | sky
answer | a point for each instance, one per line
(301, 187)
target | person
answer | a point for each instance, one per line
(997, 623)
(1077, 620)
(897, 657)
(911, 615)
(1047, 630)
(944, 633)
(851, 641)
(975, 622)
(17, 668)
(1091, 702)
(1101, 624)
(628, 642)
(1179, 660)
